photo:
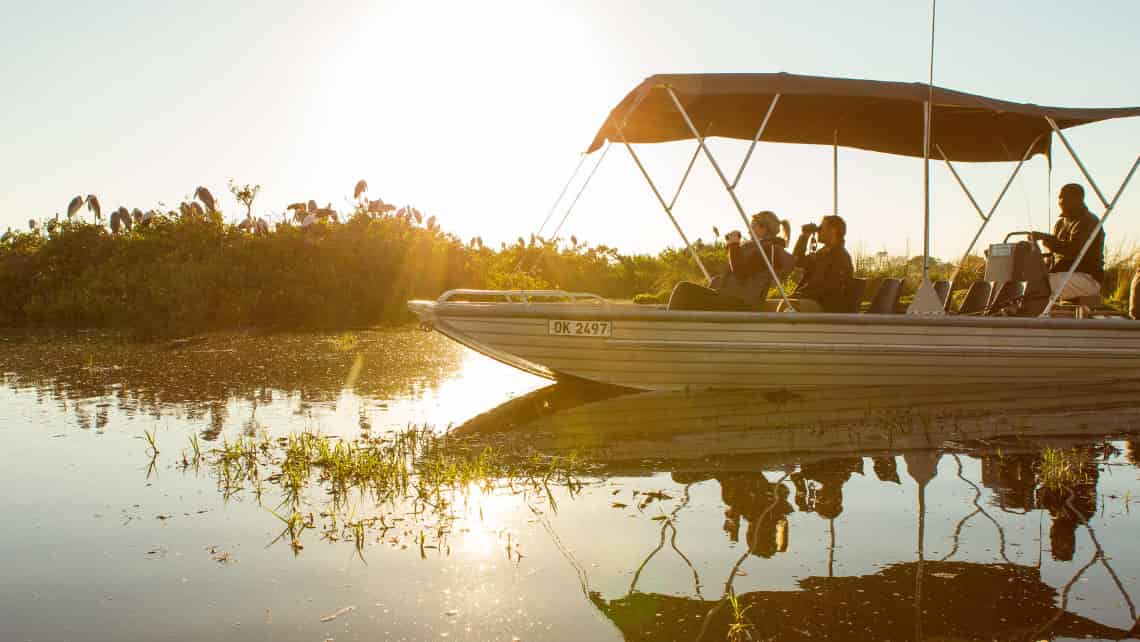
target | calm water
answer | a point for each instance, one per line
(846, 515)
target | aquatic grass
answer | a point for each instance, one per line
(739, 628)
(151, 440)
(295, 524)
(1061, 469)
(413, 471)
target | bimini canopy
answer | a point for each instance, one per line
(863, 114)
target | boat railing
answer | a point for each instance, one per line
(522, 296)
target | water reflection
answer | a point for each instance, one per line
(781, 461)
(347, 383)
(844, 514)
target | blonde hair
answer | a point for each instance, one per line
(774, 224)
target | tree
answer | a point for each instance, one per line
(245, 194)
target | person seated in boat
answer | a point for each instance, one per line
(827, 271)
(1074, 227)
(745, 285)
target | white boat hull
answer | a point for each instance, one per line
(654, 349)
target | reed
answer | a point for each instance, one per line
(1059, 469)
(151, 440)
(412, 471)
(739, 629)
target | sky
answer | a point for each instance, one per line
(477, 112)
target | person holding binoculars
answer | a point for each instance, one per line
(827, 271)
(745, 285)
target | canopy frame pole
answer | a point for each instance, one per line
(732, 194)
(1080, 164)
(685, 176)
(965, 190)
(926, 190)
(1092, 237)
(565, 188)
(665, 206)
(985, 216)
(835, 173)
(755, 139)
(578, 195)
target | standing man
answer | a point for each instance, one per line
(1074, 227)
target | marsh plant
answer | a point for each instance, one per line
(1060, 469)
(404, 488)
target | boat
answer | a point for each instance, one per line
(580, 336)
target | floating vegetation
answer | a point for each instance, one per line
(323, 482)
(739, 629)
(151, 440)
(1060, 469)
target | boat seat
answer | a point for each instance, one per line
(856, 288)
(1093, 301)
(886, 297)
(1083, 306)
(1007, 300)
(977, 298)
(942, 289)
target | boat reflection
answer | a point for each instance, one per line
(939, 598)
(676, 427)
(779, 461)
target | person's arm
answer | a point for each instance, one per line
(733, 255)
(803, 259)
(744, 259)
(1082, 230)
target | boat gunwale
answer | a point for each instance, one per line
(636, 312)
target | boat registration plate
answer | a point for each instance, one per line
(572, 328)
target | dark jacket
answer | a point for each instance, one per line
(1069, 236)
(827, 275)
(748, 276)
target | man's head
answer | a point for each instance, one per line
(1072, 200)
(832, 230)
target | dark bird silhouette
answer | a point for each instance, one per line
(207, 199)
(93, 205)
(120, 221)
(74, 206)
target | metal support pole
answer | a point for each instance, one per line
(961, 184)
(732, 194)
(755, 139)
(987, 216)
(926, 191)
(554, 205)
(1080, 165)
(1092, 237)
(685, 176)
(665, 206)
(585, 184)
(835, 173)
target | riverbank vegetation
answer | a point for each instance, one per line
(187, 270)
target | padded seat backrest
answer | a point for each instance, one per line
(1008, 297)
(855, 290)
(977, 298)
(942, 289)
(886, 297)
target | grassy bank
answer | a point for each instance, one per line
(194, 273)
